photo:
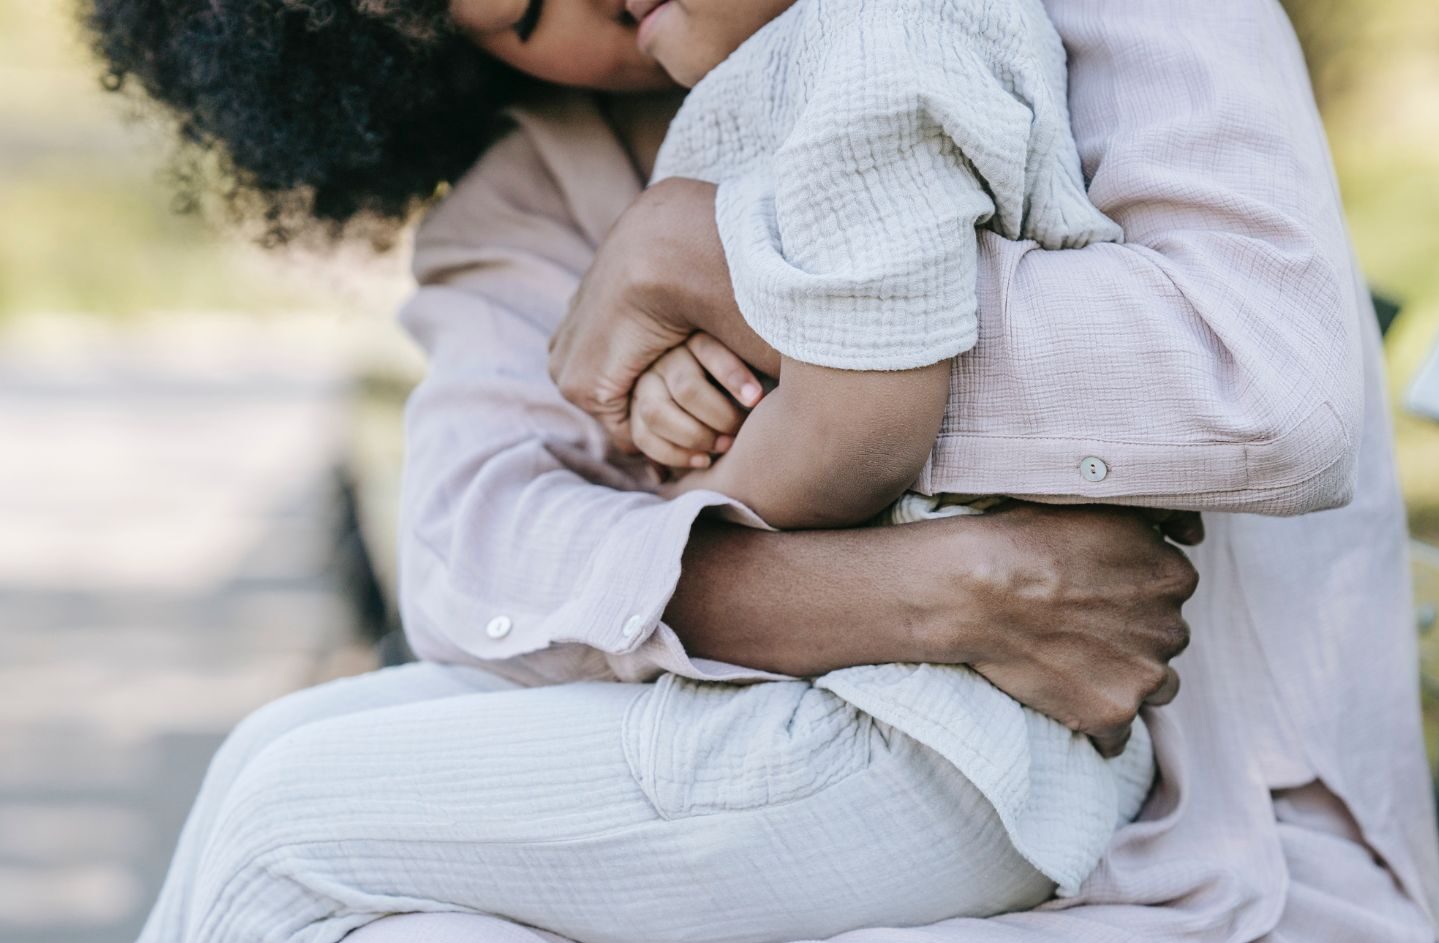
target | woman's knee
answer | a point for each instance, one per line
(274, 813)
(266, 724)
(269, 723)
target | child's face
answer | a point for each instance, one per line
(690, 37)
(585, 43)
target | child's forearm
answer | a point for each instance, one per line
(831, 448)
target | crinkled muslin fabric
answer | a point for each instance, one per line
(1223, 358)
(855, 147)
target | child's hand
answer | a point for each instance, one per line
(688, 406)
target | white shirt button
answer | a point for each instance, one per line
(1093, 469)
(632, 627)
(499, 627)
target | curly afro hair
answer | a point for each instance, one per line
(312, 111)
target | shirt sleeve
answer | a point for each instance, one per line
(853, 245)
(1212, 361)
(523, 544)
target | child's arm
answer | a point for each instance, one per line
(831, 448)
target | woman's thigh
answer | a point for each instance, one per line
(596, 810)
(375, 690)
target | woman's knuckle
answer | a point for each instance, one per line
(1178, 574)
(1117, 713)
(1176, 637)
(1151, 679)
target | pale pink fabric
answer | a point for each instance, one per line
(1224, 358)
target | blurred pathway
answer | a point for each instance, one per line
(166, 541)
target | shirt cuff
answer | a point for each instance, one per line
(636, 573)
(617, 606)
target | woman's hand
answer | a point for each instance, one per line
(1074, 612)
(659, 276)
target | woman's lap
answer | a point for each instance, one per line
(584, 806)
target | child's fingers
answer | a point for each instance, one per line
(689, 386)
(727, 368)
(663, 431)
(667, 417)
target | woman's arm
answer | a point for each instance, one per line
(524, 547)
(1072, 611)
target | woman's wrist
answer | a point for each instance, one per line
(800, 602)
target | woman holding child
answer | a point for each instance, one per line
(568, 756)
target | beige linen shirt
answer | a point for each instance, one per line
(1223, 358)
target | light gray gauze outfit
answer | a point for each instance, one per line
(856, 146)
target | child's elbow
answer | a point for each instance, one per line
(852, 492)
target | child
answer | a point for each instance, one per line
(856, 146)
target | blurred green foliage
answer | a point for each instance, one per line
(86, 221)
(1375, 65)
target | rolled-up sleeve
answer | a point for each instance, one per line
(523, 544)
(1212, 360)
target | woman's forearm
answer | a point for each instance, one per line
(797, 602)
(1074, 612)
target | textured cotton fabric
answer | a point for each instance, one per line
(857, 145)
(677, 812)
(1223, 358)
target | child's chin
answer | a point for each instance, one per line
(685, 73)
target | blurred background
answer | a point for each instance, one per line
(199, 446)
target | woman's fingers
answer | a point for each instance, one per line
(1111, 743)
(728, 370)
(1098, 648)
(1167, 691)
